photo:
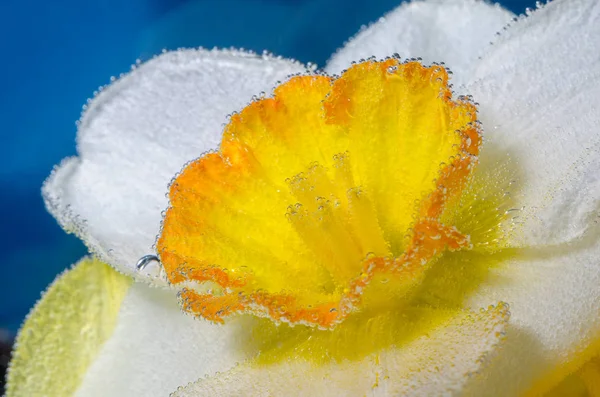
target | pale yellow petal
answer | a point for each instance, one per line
(65, 330)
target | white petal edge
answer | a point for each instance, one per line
(155, 348)
(455, 32)
(440, 363)
(538, 90)
(138, 133)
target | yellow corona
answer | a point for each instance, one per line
(324, 200)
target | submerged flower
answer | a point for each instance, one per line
(357, 234)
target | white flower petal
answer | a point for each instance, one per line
(555, 305)
(454, 31)
(138, 133)
(439, 363)
(539, 91)
(155, 348)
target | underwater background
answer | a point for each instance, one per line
(55, 54)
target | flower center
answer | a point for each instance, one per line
(334, 196)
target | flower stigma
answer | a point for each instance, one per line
(340, 209)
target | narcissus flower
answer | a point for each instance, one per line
(366, 230)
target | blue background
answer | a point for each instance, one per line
(56, 53)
